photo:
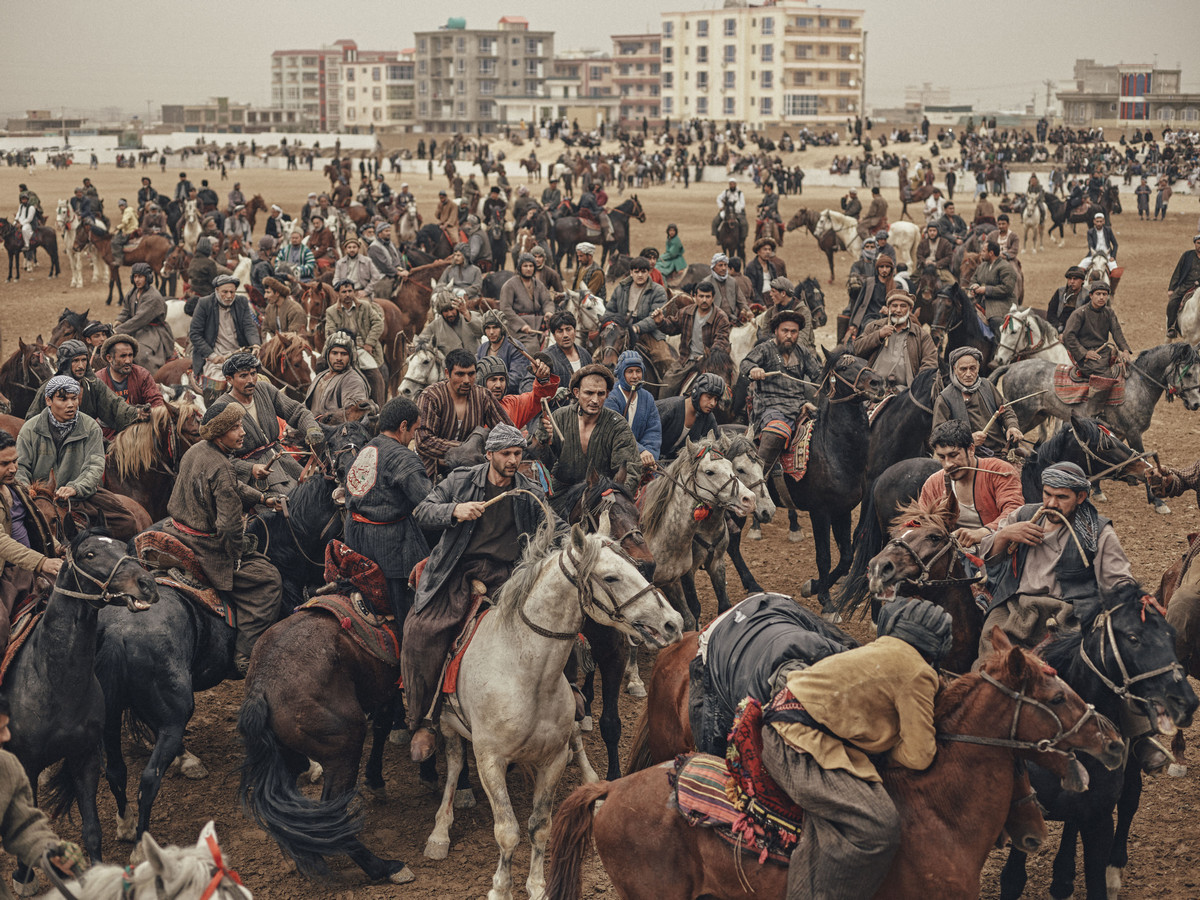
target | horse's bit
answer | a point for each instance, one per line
(926, 579)
(1123, 690)
(105, 595)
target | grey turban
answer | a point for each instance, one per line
(504, 436)
(1066, 475)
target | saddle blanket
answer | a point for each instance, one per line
(205, 597)
(22, 628)
(795, 458)
(480, 607)
(175, 566)
(873, 409)
(375, 634)
(1072, 387)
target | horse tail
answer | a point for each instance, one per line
(306, 830)
(639, 750)
(59, 793)
(868, 540)
(570, 837)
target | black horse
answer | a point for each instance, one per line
(432, 240)
(837, 462)
(294, 539)
(1124, 644)
(1060, 215)
(954, 323)
(569, 230)
(56, 702)
(150, 665)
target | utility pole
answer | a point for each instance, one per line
(1050, 85)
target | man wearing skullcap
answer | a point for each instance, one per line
(546, 274)
(1047, 574)
(206, 508)
(479, 542)
(355, 266)
(275, 222)
(526, 303)
(453, 326)
(875, 217)
(296, 257)
(265, 405)
(446, 216)
(222, 324)
(96, 400)
(861, 269)
(387, 260)
(498, 345)
(461, 275)
(882, 247)
(362, 318)
(341, 385)
(935, 250)
(897, 347)
(726, 293)
(732, 198)
(973, 401)
(521, 408)
(1184, 279)
(124, 231)
(62, 443)
(479, 247)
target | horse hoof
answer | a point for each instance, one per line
(585, 724)
(464, 798)
(1112, 881)
(192, 768)
(832, 617)
(404, 876)
(26, 888)
(636, 689)
(1162, 509)
(754, 533)
(1100, 497)
(314, 773)
(400, 736)
(127, 827)
(377, 794)
(1175, 770)
(796, 536)
(137, 856)
(437, 849)
(808, 588)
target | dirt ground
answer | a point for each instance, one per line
(1163, 854)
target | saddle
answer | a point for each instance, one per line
(1072, 387)
(175, 566)
(23, 624)
(356, 595)
(480, 607)
(795, 456)
(590, 222)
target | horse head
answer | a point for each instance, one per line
(70, 325)
(637, 212)
(922, 549)
(739, 449)
(1182, 375)
(605, 507)
(712, 478)
(98, 567)
(1016, 335)
(83, 236)
(614, 338)
(342, 445)
(824, 224)
(850, 378)
(800, 219)
(425, 366)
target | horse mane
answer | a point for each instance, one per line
(970, 320)
(657, 498)
(134, 448)
(275, 351)
(923, 514)
(739, 445)
(538, 549)
(188, 871)
(718, 362)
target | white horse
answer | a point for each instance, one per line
(408, 224)
(587, 308)
(513, 702)
(700, 478)
(1026, 335)
(425, 365)
(1189, 317)
(904, 237)
(1033, 217)
(67, 221)
(1097, 271)
(191, 229)
(742, 339)
(186, 873)
(843, 226)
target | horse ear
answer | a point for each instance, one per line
(691, 448)
(1000, 641)
(21, 344)
(577, 536)
(592, 476)
(619, 478)
(208, 831)
(825, 350)
(153, 854)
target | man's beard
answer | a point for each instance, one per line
(898, 321)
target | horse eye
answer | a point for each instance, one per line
(611, 579)
(1058, 699)
(89, 555)
(1133, 638)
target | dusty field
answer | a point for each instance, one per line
(1163, 853)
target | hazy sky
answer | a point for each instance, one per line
(124, 52)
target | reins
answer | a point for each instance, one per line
(105, 594)
(1104, 625)
(926, 579)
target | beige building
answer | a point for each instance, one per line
(1128, 94)
(219, 116)
(784, 62)
(637, 76)
(580, 88)
(378, 91)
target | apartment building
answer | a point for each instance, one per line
(637, 76)
(785, 62)
(218, 116)
(309, 82)
(580, 88)
(1128, 93)
(378, 91)
(478, 80)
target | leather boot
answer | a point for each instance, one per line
(770, 448)
(423, 745)
(1173, 316)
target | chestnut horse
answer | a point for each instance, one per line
(253, 206)
(23, 374)
(142, 461)
(151, 249)
(287, 361)
(958, 805)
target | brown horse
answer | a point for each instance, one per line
(826, 243)
(287, 361)
(142, 461)
(254, 206)
(62, 515)
(316, 298)
(70, 326)
(151, 249)
(958, 805)
(173, 371)
(14, 242)
(23, 374)
(909, 194)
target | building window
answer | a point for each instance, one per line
(843, 104)
(845, 51)
(349, 93)
(486, 108)
(460, 87)
(423, 108)
(768, 53)
(768, 25)
(376, 93)
(668, 54)
(487, 67)
(668, 105)
(668, 30)
(824, 22)
(803, 51)
(624, 90)
(531, 88)
(377, 114)
(531, 47)
(422, 87)
(799, 104)
(654, 47)
(702, 55)
(765, 106)
(702, 28)
(730, 53)
(803, 22)
(350, 74)
(460, 109)
(422, 67)
(655, 68)
(531, 67)
(350, 114)
(823, 50)
(844, 79)
(376, 73)
(461, 66)
(623, 70)
(730, 27)
(702, 81)
(800, 78)
(702, 106)
(822, 76)
(640, 68)
(768, 80)
(308, 61)
(729, 106)
(845, 24)
(730, 80)
(654, 90)
(668, 80)
(485, 45)
(487, 87)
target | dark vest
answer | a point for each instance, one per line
(958, 406)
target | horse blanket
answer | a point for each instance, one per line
(22, 627)
(1072, 387)
(175, 566)
(356, 595)
(795, 458)
(873, 409)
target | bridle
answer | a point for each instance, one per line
(1091, 455)
(926, 578)
(856, 392)
(1025, 325)
(1045, 745)
(590, 518)
(1173, 390)
(1104, 625)
(690, 487)
(105, 595)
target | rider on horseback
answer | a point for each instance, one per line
(124, 232)
(1184, 280)
(26, 542)
(588, 204)
(26, 218)
(732, 198)
(768, 207)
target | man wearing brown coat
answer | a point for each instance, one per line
(896, 346)
(702, 326)
(937, 251)
(282, 312)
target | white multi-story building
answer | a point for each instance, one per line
(378, 91)
(783, 62)
(309, 82)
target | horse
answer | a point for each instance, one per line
(425, 365)
(827, 241)
(699, 483)
(844, 228)
(958, 805)
(432, 240)
(186, 873)
(23, 374)
(729, 232)
(142, 460)
(954, 322)
(522, 713)
(1171, 369)
(837, 461)
(1059, 215)
(1097, 271)
(190, 230)
(151, 249)
(288, 362)
(407, 224)
(69, 326)
(1189, 317)
(68, 220)
(903, 238)
(909, 194)
(1026, 335)
(1124, 651)
(620, 216)
(14, 243)
(254, 206)
(1033, 217)
(605, 507)
(587, 308)
(57, 706)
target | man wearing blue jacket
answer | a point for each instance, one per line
(636, 404)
